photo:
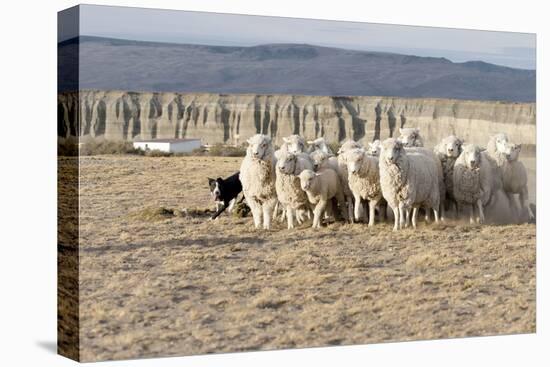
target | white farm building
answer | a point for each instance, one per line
(169, 145)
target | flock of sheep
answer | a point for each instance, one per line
(301, 179)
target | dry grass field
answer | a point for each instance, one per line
(158, 283)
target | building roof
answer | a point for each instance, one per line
(165, 140)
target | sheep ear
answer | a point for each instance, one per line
(285, 140)
(519, 146)
(311, 142)
(417, 130)
(317, 174)
(400, 131)
(249, 140)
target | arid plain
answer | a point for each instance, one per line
(158, 278)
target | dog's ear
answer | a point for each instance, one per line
(210, 180)
(219, 179)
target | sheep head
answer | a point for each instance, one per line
(471, 156)
(306, 179)
(451, 146)
(287, 164)
(374, 148)
(259, 146)
(295, 144)
(410, 137)
(354, 160)
(349, 144)
(498, 143)
(391, 151)
(318, 157)
(512, 152)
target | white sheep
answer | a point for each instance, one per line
(514, 178)
(410, 137)
(409, 180)
(257, 175)
(447, 151)
(373, 148)
(320, 188)
(287, 184)
(343, 172)
(468, 184)
(497, 147)
(320, 144)
(364, 181)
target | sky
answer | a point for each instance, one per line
(458, 45)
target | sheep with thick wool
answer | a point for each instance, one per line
(514, 178)
(472, 181)
(447, 151)
(257, 176)
(364, 181)
(409, 180)
(343, 172)
(321, 187)
(287, 185)
(410, 137)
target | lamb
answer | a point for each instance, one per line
(257, 175)
(410, 137)
(447, 151)
(514, 177)
(467, 183)
(374, 148)
(320, 187)
(287, 185)
(408, 180)
(364, 181)
(320, 144)
(322, 160)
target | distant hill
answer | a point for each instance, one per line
(288, 69)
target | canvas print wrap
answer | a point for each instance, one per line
(239, 183)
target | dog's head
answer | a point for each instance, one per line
(216, 188)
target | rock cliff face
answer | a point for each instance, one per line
(231, 119)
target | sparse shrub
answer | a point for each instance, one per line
(98, 147)
(220, 150)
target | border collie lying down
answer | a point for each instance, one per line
(225, 192)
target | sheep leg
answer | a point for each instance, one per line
(256, 209)
(267, 210)
(231, 205)
(414, 216)
(318, 213)
(471, 208)
(401, 215)
(524, 199)
(290, 218)
(358, 212)
(427, 215)
(341, 199)
(481, 218)
(276, 210)
(350, 207)
(436, 213)
(395, 210)
(372, 208)
(441, 211)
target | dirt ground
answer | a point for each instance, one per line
(156, 284)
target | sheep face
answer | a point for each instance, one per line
(348, 145)
(295, 144)
(410, 137)
(374, 148)
(355, 160)
(501, 143)
(391, 150)
(306, 178)
(318, 157)
(472, 156)
(512, 152)
(259, 146)
(318, 143)
(287, 164)
(451, 146)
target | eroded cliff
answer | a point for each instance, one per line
(231, 119)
